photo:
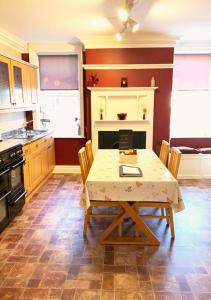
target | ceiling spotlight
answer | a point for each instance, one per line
(123, 14)
(128, 24)
(118, 36)
(135, 27)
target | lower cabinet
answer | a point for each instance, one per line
(39, 162)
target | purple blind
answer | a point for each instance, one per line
(191, 72)
(58, 72)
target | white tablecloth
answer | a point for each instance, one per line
(157, 184)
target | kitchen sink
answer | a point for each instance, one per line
(27, 134)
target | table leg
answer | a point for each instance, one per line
(129, 209)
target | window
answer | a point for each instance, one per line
(191, 97)
(60, 94)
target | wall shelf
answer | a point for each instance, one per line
(121, 121)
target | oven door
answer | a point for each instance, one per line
(4, 214)
(16, 202)
(4, 179)
(16, 176)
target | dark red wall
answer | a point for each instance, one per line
(67, 149)
(137, 78)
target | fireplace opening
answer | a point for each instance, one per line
(117, 139)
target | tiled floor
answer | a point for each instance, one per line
(43, 254)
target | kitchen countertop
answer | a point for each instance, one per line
(9, 143)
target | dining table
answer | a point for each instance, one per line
(156, 185)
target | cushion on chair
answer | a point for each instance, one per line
(205, 150)
(188, 150)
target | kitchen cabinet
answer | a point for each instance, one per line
(17, 83)
(36, 166)
(30, 85)
(26, 169)
(34, 86)
(5, 83)
(40, 161)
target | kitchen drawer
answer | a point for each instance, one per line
(37, 145)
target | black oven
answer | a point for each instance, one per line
(16, 198)
(4, 176)
(16, 180)
(4, 211)
(12, 191)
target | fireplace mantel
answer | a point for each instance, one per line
(130, 100)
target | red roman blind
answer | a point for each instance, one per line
(192, 72)
(58, 72)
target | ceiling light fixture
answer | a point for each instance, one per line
(124, 16)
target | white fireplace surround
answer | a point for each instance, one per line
(130, 100)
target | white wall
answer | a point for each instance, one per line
(11, 121)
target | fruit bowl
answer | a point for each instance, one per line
(122, 116)
(128, 156)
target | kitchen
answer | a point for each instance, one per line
(62, 71)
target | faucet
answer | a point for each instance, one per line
(25, 124)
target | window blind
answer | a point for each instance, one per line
(192, 72)
(58, 72)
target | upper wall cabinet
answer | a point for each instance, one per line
(5, 83)
(30, 85)
(18, 85)
(33, 78)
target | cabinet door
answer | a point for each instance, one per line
(36, 168)
(27, 85)
(5, 83)
(51, 157)
(27, 169)
(44, 161)
(27, 175)
(17, 83)
(33, 76)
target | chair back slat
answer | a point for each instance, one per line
(174, 161)
(83, 164)
(164, 151)
(89, 153)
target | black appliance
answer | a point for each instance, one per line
(12, 191)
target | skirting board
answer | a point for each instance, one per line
(61, 169)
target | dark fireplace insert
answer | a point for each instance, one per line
(122, 138)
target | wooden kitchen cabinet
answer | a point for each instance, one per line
(30, 85)
(5, 83)
(26, 169)
(17, 70)
(18, 84)
(51, 154)
(34, 85)
(40, 161)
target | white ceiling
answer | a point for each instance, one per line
(68, 20)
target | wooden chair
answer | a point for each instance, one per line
(164, 152)
(83, 164)
(83, 160)
(173, 167)
(174, 161)
(89, 153)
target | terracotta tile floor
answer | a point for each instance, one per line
(43, 254)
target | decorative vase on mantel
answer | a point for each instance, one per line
(94, 80)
